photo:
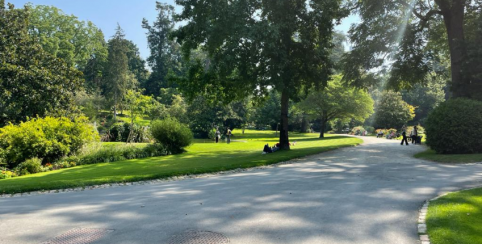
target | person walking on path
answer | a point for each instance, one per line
(228, 135)
(404, 135)
(218, 135)
(414, 135)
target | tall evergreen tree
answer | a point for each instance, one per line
(116, 81)
(137, 65)
(164, 52)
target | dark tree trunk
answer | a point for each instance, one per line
(283, 136)
(453, 15)
(324, 120)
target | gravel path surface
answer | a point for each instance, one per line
(365, 194)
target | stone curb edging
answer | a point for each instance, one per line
(148, 182)
(422, 225)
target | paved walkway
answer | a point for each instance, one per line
(365, 194)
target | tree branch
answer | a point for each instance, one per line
(423, 18)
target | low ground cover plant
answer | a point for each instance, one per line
(106, 154)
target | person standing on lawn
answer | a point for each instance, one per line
(228, 136)
(218, 135)
(404, 135)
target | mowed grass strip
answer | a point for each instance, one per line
(449, 158)
(203, 156)
(456, 218)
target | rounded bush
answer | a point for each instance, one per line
(30, 166)
(455, 126)
(47, 138)
(173, 135)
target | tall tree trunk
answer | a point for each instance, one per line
(453, 15)
(324, 120)
(283, 136)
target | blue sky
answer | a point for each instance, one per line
(105, 14)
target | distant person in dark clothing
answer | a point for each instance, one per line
(228, 136)
(404, 135)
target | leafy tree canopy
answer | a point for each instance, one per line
(337, 101)
(65, 36)
(392, 112)
(425, 98)
(257, 45)
(32, 82)
(414, 39)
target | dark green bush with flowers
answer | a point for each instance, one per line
(47, 138)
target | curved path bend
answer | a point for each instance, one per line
(365, 194)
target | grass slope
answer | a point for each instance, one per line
(449, 158)
(243, 152)
(456, 218)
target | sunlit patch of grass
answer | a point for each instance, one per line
(456, 218)
(201, 157)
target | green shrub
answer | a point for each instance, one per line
(358, 130)
(455, 126)
(48, 138)
(212, 134)
(127, 132)
(370, 129)
(101, 154)
(30, 166)
(172, 134)
(6, 174)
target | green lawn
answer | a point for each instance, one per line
(456, 218)
(138, 121)
(201, 157)
(449, 158)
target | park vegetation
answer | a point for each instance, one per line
(276, 66)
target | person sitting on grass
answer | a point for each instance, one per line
(267, 149)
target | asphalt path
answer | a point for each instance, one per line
(365, 194)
